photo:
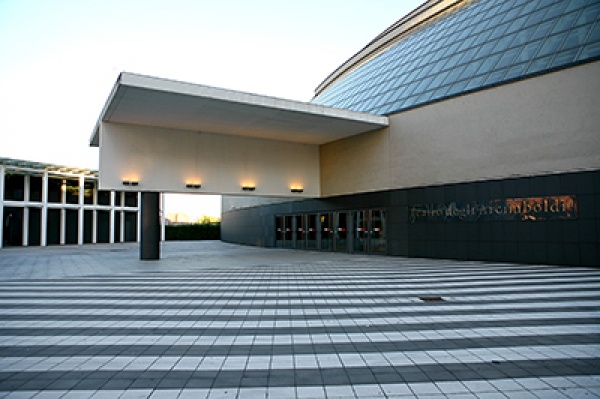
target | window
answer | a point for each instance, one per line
(14, 187)
(131, 199)
(499, 39)
(55, 190)
(103, 197)
(35, 188)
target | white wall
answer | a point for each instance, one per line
(165, 160)
(542, 125)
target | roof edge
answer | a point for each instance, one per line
(194, 89)
(127, 79)
(420, 15)
(21, 164)
(95, 136)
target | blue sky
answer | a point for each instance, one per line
(60, 58)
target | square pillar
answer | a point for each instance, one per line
(44, 227)
(150, 216)
(1, 205)
(63, 213)
(163, 218)
(80, 211)
(111, 227)
(122, 226)
(63, 226)
(138, 232)
(94, 226)
(25, 235)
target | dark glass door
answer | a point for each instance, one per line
(287, 237)
(300, 231)
(279, 231)
(326, 232)
(378, 232)
(361, 232)
(370, 232)
(341, 231)
(13, 226)
(311, 231)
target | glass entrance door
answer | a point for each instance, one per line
(287, 238)
(326, 232)
(361, 231)
(300, 231)
(370, 232)
(311, 232)
(378, 232)
(283, 232)
(341, 231)
(279, 231)
(13, 226)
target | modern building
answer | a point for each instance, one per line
(43, 204)
(466, 130)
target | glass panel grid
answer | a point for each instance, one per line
(484, 43)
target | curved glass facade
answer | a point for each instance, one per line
(481, 44)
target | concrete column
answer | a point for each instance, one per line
(26, 185)
(63, 226)
(150, 215)
(1, 205)
(25, 237)
(163, 218)
(113, 201)
(139, 218)
(63, 192)
(95, 193)
(44, 226)
(94, 226)
(63, 213)
(80, 215)
(122, 226)
(94, 214)
(111, 224)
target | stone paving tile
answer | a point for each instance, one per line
(214, 320)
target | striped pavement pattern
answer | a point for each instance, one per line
(380, 328)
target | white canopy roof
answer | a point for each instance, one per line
(149, 101)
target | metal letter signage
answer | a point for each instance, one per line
(517, 209)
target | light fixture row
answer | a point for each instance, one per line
(130, 183)
(192, 186)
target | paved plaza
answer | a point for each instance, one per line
(214, 320)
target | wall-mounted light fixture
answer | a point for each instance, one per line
(297, 190)
(130, 183)
(248, 188)
(193, 186)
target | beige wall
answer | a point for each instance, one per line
(541, 125)
(165, 160)
(357, 164)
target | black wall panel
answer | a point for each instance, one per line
(566, 242)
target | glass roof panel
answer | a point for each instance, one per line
(20, 164)
(478, 45)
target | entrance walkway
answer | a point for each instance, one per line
(213, 320)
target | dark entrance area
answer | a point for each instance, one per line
(548, 219)
(361, 231)
(12, 234)
(35, 226)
